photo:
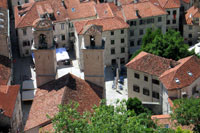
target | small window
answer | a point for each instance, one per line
(168, 12)
(142, 22)
(122, 40)
(166, 125)
(141, 31)
(112, 51)
(112, 33)
(159, 19)
(139, 42)
(190, 35)
(62, 26)
(190, 43)
(190, 27)
(132, 43)
(122, 61)
(26, 1)
(123, 50)
(63, 37)
(113, 61)
(194, 90)
(168, 21)
(155, 95)
(174, 21)
(145, 78)
(137, 75)
(24, 32)
(122, 31)
(136, 88)
(174, 12)
(155, 81)
(145, 91)
(131, 32)
(132, 23)
(112, 42)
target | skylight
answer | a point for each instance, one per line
(189, 73)
(177, 80)
(73, 9)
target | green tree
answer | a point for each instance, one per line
(186, 112)
(169, 45)
(104, 119)
(136, 105)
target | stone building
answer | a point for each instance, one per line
(155, 79)
(44, 51)
(144, 15)
(191, 29)
(10, 109)
(114, 39)
(26, 14)
(4, 29)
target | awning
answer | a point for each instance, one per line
(61, 54)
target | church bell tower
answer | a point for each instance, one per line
(44, 51)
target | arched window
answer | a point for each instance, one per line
(42, 40)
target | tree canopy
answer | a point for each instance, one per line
(186, 112)
(169, 45)
(104, 119)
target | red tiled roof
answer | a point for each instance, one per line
(8, 96)
(125, 2)
(146, 9)
(30, 12)
(4, 4)
(192, 12)
(48, 128)
(5, 70)
(61, 91)
(186, 1)
(83, 10)
(166, 4)
(189, 64)
(112, 23)
(149, 63)
(104, 10)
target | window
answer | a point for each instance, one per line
(132, 43)
(123, 50)
(122, 61)
(190, 43)
(139, 42)
(131, 32)
(63, 37)
(155, 81)
(174, 12)
(174, 21)
(132, 23)
(136, 88)
(194, 90)
(136, 75)
(92, 41)
(150, 20)
(71, 25)
(26, 1)
(113, 61)
(24, 31)
(190, 27)
(112, 33)
(190, 35)
(142, 22)
(145, 78)
(62, 26)
(145, 91)
(168, 12)
(168, 21)
(122, 31)
(26, 43)
(159, 19)
(155, 95)
(166, 125)
(112, 41)
(71, 34)
(141, 32)
(112, 51)
(122, 40)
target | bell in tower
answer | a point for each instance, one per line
(44, 51)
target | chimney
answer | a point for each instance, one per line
(63, 3)
(137, 13)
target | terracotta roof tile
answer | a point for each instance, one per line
(5, 70)
(192, 12)
(62, 90)
(83, 10)
(181, 72)
(8, 96)
(104, 10)
(146, 9)
(149, 63)
(30, 12)
(112, 23)
(4, 4)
